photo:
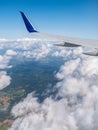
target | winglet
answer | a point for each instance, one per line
(28, 25)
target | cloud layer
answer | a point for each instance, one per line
(77, 87)
(77, 107)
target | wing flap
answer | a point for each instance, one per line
(91, 53)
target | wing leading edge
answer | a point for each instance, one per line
(65, 41)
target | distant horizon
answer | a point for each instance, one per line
(34, 37)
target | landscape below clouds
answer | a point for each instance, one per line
(75, 103)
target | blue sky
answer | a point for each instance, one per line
(74, 18)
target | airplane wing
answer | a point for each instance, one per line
(65, 41)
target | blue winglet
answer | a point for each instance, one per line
(28, 25)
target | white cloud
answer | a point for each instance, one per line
(4, 80)
(3, 40)
(28, 47)
(38, 52)
(11, 53)
(79, 86)
(5, 58)
(33, 48)
(47, 116)
(4, 61)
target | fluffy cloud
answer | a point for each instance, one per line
(49, 115)
(4, 64)
(11, 53)
(5, 58)
(27, 47)
(4, 61)
(4, 80)
(3, 40)
(38, 52)
(79, 86)
(77, 108)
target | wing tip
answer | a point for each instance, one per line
(28, 25)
